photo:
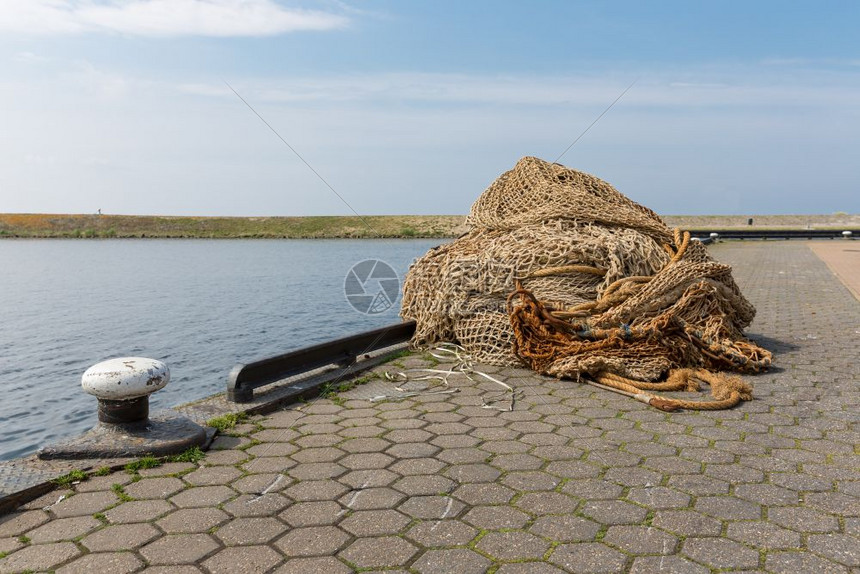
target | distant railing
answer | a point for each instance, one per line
(244, 378)
(774, 233)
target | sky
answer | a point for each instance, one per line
(415, 107)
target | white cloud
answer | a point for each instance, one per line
(103, 85)
(665, 91)
(219, 18)
(29, 58)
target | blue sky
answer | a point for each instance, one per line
(415, 107)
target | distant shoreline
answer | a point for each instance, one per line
(92, 226)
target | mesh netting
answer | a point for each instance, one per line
(566, 275)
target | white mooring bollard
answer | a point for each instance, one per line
(123, 386)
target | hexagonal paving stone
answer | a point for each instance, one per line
(190, 520)
(588, 558)
(138, 511)
(529, 568)
(504, 446)
(496, 517)
(513, 545)
(835, 502)
(312, 455)
(763, 535)
(257, 505)
(167, 468)
(463, 455)
(371, 498)
(530, 481)
(431, 507)
(312, 490)
(412, 450)
(365, 445)
(720, 553)
(243, 559)
(547, 503)
(260, 483)
(379, 552)
(423, 485)
(312, 541)
(371, 478)
(593, 489)
(460, 560)
(10, 545)
(573, 469)
(795, 562)
(565, 528)
(154, 488)
(39, 557)
(666, 565)
(840, 548)
(687, 523)
(277, 464)
(367, 461)
(375, 522)
(728, 508)
(63, 529)
(103, 563)
(442, 533)
(363, 431)
(250, 531)
(121, 537)
(324, 565)
(19, 523)
(484, 493)
(203, 496)
(519, 461)
(273, 449)
(640, 540)
(318, 513)
(614, 512)
(316, 471)
(659, 497)
(464, 473)
(803, 519)
(226, 457)
(766, 494)
(178, 549)
(94, 483)
(85, 503)
(699, 485)
(412, 466)
(408, 436)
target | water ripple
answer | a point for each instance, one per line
(201, 306)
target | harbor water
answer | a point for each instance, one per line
(201, 306)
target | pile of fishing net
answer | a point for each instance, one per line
(562, 273)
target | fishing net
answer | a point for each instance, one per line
(562, 273)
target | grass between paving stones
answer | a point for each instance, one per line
(70, 478)
(119, 490)
(227, 422)
(330, 390)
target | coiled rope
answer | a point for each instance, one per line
(542, 335)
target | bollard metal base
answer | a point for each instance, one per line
(165, 433)
(123, 412)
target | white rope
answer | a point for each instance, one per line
(464, 365)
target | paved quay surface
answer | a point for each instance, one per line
(843, 258)
(573, 480)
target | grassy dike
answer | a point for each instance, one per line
(128, 226)
(405, 226)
